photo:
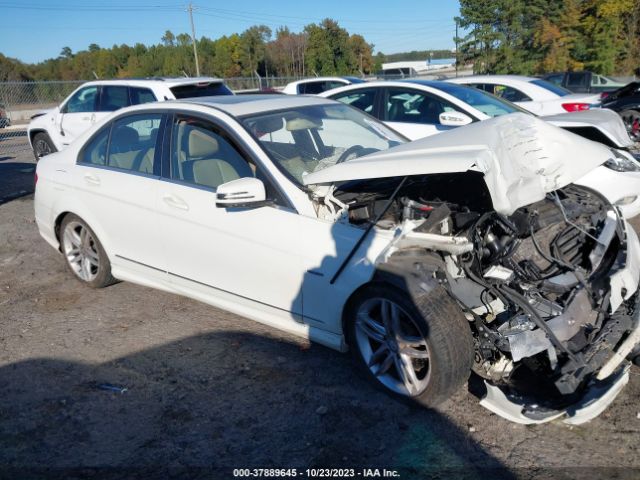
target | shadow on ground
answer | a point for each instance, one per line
(17, 179)
(210, 403)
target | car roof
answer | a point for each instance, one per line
(439, 85)
(499, 78)
(169, 81)
(241, 105)
(319, 79)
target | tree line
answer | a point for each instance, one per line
(324, 48)
(539, 36)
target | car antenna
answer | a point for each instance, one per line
(369, 228)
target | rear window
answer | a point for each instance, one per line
(200, 90)
(561, 92)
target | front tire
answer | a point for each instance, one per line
(42, 145)
(84, 254)
(416, 347)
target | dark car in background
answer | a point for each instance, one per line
(583, 81)
(626, 101)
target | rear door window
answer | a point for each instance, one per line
(508, 93)
(204, 89)
(133, 142)
(95, 152)
(113, 97)
(139, 95)
(362, 99)
(411, 106)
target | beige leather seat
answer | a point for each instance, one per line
(210, 165)
(124, 147)
(126, 152)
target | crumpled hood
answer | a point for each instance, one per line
(522, 159)
(605, 120)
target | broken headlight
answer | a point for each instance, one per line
(622, 162)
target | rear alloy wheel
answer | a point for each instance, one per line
(84, 254)
(631, 119)
(416, 347)
(42, 145)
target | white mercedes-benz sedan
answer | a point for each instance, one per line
(474, 250)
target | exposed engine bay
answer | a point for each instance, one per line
(551, 325)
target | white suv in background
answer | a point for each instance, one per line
(52, 130)
(316, 85)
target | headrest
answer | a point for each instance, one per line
(125, 136)
(303, 123)
(269, 124)
(202, 144)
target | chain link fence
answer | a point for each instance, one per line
(19, 101)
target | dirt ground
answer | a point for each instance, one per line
(207, 391)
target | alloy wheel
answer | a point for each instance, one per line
(42, 148)
(392, 346)
(81, 251)
(632, 122)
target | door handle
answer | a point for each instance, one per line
(91, 179)
(175, 202)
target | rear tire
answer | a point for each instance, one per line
(631, 119)
(84, 254)
(42, 145)
(429, 353)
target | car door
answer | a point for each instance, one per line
(261, 254)
(414, 113)
(77, 114)
(116, 178)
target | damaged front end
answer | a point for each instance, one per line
(550, 291)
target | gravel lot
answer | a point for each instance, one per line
(208, 391)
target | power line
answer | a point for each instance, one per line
(259, 15)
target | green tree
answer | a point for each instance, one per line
(362, 52)
(327, 51)
(66, 52)
(253, 43)
(168, 39)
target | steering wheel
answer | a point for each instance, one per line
(356, 151)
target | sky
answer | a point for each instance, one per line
(35, 30)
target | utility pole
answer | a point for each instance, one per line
(456, 46)
(193, 38)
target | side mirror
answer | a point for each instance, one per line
(240, 193)
(454, 119)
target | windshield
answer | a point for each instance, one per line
(308, 139)
(488, 104)
(560, 91)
